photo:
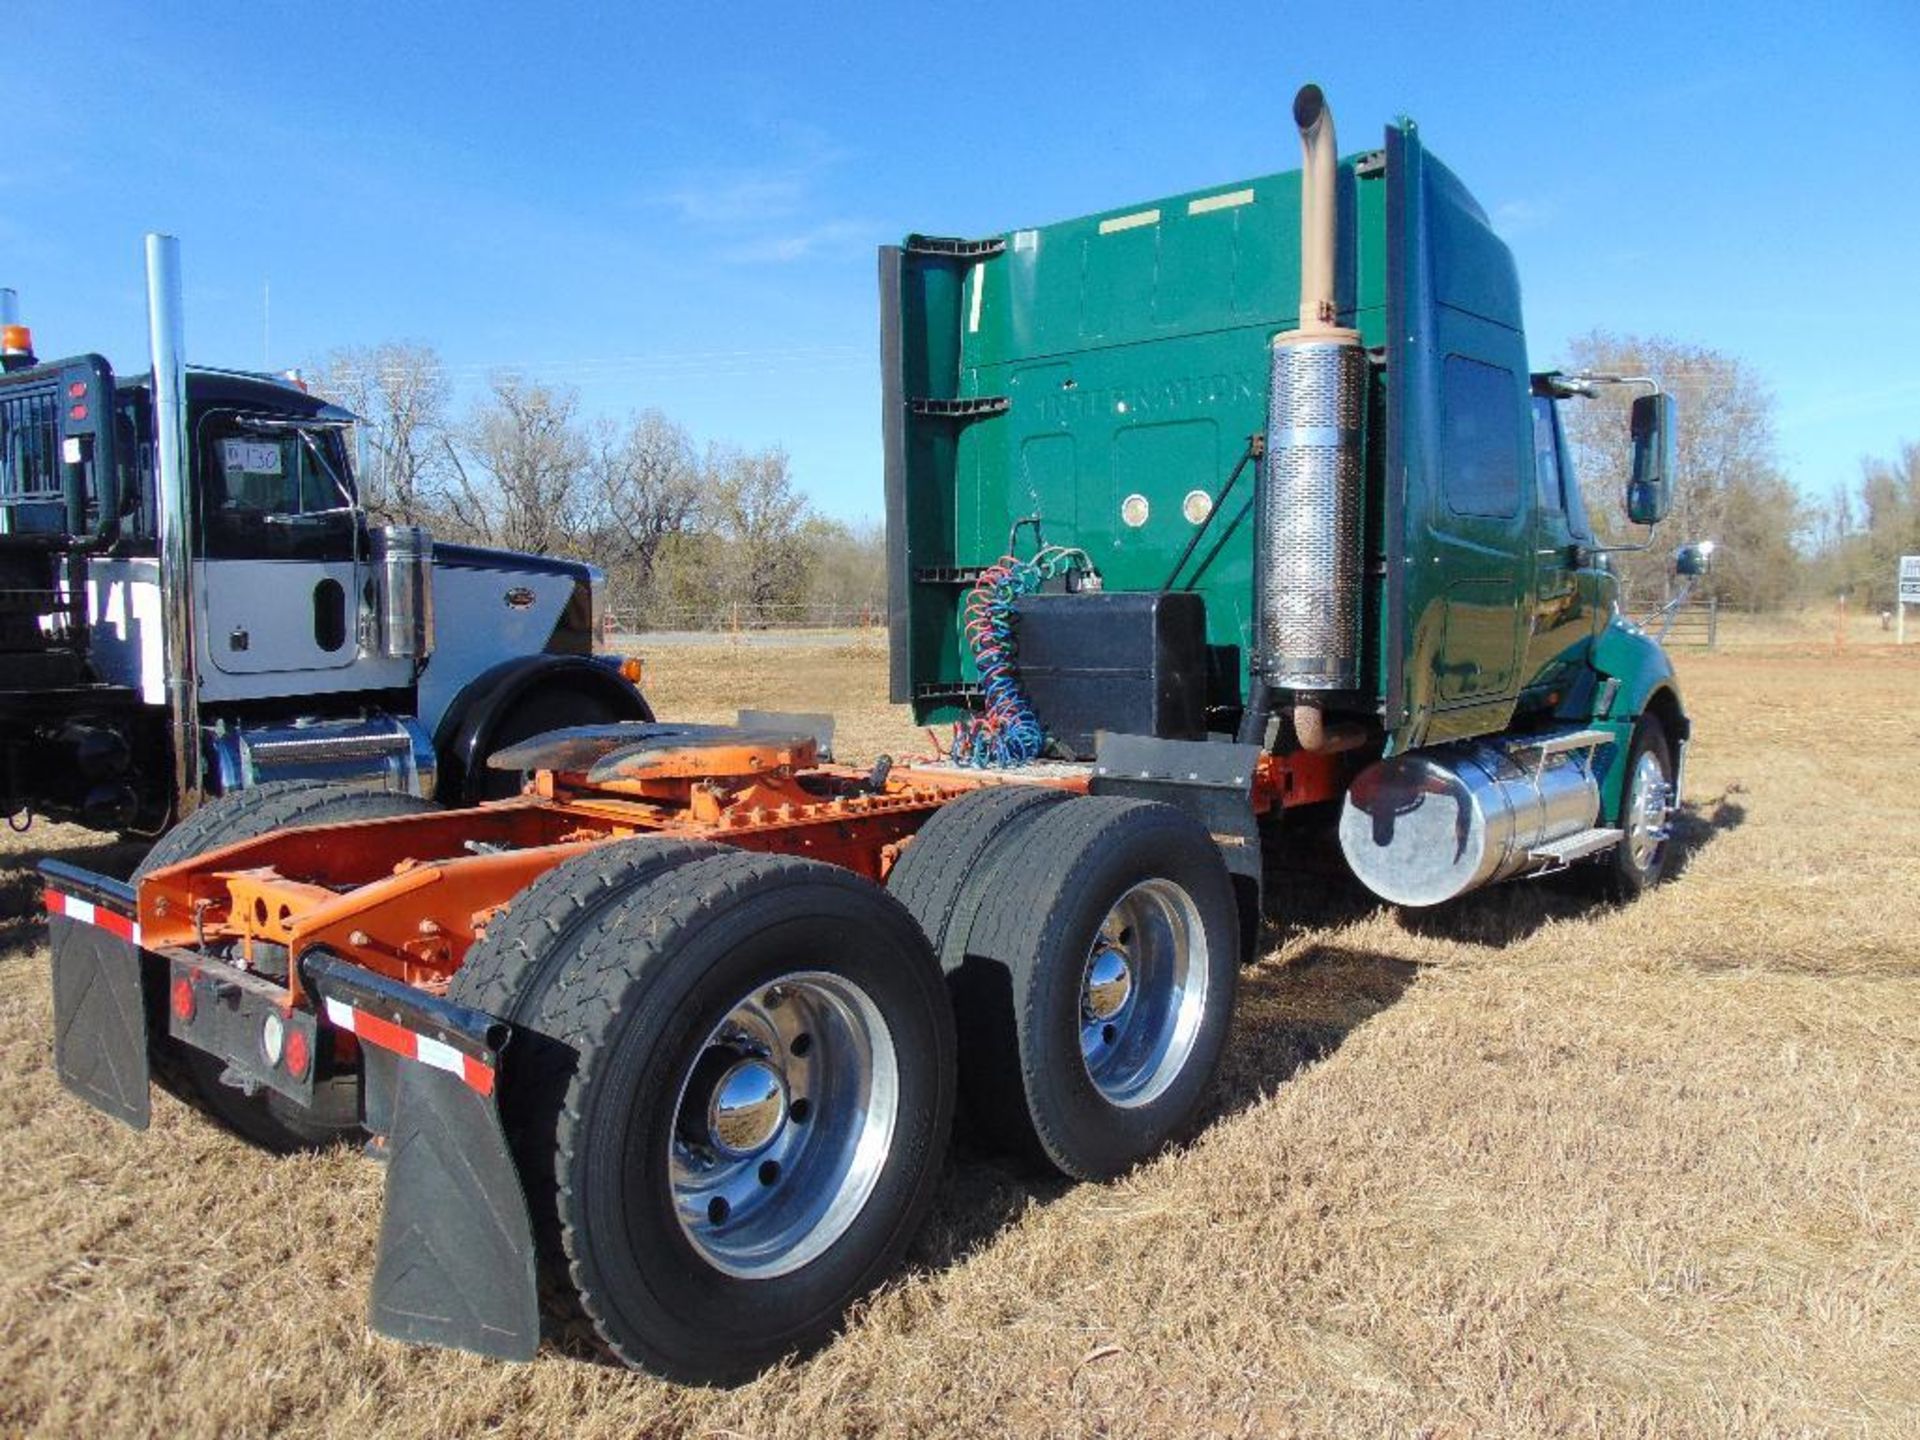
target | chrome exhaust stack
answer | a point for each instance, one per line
(166, 333)
(1307, 561)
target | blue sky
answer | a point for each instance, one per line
(678, 206)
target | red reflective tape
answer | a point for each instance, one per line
(478, 1075)
(116, 924)
(425, 1050)
(384, 1033)
(87, 913)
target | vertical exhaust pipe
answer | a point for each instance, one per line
(166, 333)
(1307, 567)
(1319, 160)
(9, 306)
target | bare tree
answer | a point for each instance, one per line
(643, 488)
(1731, 488)
(399, 389)
(847, 569)
(1865, 529)
(759, 516)
(518, 468)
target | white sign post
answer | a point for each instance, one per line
(1909, 593)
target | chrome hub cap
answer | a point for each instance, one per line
(1648, 806)
(748, 1107)
(1143, 993)
(1109, 983)
(783, 1124)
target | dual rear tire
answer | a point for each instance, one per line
(728, 1092)
(732, 1076)
(1092, 947)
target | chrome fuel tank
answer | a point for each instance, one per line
(1424, 827)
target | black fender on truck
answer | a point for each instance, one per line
(520, 698)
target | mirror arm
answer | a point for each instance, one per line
(1646, 544)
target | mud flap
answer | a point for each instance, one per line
(99, 1003)
(456, 1264)
(456, 1250)
(1212, 782)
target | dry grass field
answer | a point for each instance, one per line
(1523, 1166)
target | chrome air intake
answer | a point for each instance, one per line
(1307, 580)
(403, 562)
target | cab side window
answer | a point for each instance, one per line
(1554, 472)
(1479, 465)
(1546, 456)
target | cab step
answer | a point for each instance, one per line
(1562, 853)
(1560, 742)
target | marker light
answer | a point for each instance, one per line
(182, 999)
(632, 668)
(299, 1055)
(16, 340)
(273, 1038)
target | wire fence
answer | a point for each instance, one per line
(741, 618)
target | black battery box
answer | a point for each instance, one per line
(1128, 662)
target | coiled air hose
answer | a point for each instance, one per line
(1006, 732)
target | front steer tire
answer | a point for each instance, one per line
(705, 1234)
(1638, 862)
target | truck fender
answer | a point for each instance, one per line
(1642, 676)
(473, 726)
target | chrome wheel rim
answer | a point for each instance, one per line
(1649, 802)
(782, 1124)
(1143, 991)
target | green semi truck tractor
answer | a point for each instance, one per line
(1266, 464)
(1239, 511)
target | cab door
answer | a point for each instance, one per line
(279, 553)
(1480, 532)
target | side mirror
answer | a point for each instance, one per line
(1693, 560)
(1650, 491)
